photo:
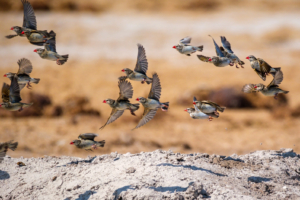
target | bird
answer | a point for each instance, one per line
(5, 146)
(271, 90)
(184, 48)
(139, 72)
(151, 104)
(29, 21)
(229, 53)
(122, 103)
(23, 74)
(86, 141)
(261, 67)
(49, 51)
(195, 113)
(220, 60)
(11, 96)
(208, 107)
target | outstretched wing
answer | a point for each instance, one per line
(87, 136)
(126, 90)
(146, 117)
(264, 66)
(203, 58)
(115, 114)
(195, 99)
(29, 20)
(14, 91)
(248, 88)
(278, 77)
(141, 63)
(226, 44)
(25, 66)
(218, 50)
(5, 92)
(155, 90)
(50, 45)
(185, 40)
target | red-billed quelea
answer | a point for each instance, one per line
(151, 104)
(229, 53)
(122, 103)
(184, 48)
(271, 90)
(49, 52)
(23, 74)
(208, 107)
(5, 146)
(261, 67)
(141, 67)
(195, 113)
(86, 141)
(220, 60)
(11, 96)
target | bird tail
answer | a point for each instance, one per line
(100, 143)
(35, 80)
(65, 59)
(285, 92)
(165, 106)
(221, 109)
(12, 146)
(241, 62)
(200, 48)
(52, 34)
(26, 105)
(149, 80)
(134, 107)
(10, 36)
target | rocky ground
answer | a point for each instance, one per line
(154, 175)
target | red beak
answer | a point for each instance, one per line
(35, 50)
(4, 75)
(209, 59)
(247, 57)
(137, 99)
(104, 101)
(123, 70)
(71, 142)
(0, 105)
(174, 47)
(255, 87)
(22, 32)
(185, 110)
(194, 103)
(12, 28)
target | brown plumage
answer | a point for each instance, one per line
(5, 146)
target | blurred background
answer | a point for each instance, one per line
(100, 37)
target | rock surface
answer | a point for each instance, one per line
(154, 175)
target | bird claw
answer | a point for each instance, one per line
(29, 86)
(94, 146)
(131, 112)
(216, 113)
(58, 62)
(242, 66)
(275, 97)
(210, 118)
(237, 66)
(20, 109)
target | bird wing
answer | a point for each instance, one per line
(218, 50)
(22, 85)
(278, 77)
(5, 92)
(196, 109)
(25, 66)
(210, 103)
(14, 91)
(29, 20)
(248, 88)
(146, 117)
(185, 40)
(195, 99)
(2, 154)
(226, 44)
(141, 63)
(203, 58)
(126, 91)
(261, 75)
(50, 45)
(115, 114)
(264, 66)
(87, 136)
(155, 90)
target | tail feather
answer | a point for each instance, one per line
(149, 81)
(12, 146)
(221, 109)
(285, 92)
(62, 61)
(35, 80)
(101, 143)
(200, 48)
(52, 34)
(165, 106)
(10, 36)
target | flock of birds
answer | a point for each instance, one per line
(204, 109)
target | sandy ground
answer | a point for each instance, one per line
(154, 175)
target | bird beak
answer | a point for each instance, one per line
(123, 70)
(0, 105)
(35, 50)
(71, 142)
(255, 87)
(12, 28)
(194, 103)
(209, 59)
(137, 99)
(185, 110)
(174, 47)
(247, 57)
(4, 75)
(104, 101)
(22, 32)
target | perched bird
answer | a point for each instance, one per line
(49, 52)
(184, 48)
(122, 103)
(220, 60)
(261, 67)
(271, 90)
(208, 107)
(5, 146)
(195, 113)
(29, 21)
(23, 74)
(151, 104)
(11, 96)
(229, 53)
(139, 72)
(86, 141)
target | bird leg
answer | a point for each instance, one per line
(58, 62)
(236, 66)
(210, 118)
(28, 85)
(242, 66)
(20, 109)
(164, 108)
(267, 74)
(94, 146)
(143, 81)
(216, 113)
(275, 96)
(131, 112)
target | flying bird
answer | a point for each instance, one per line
(5, 146)
(229, 53)
(195, 113)
(23, 74)
(11, 96)
(122, 103)
(208, 107)
(151, 104)
(271, 90)
(261, 67)
(184, 48)
(141, 67)
(86, 141)
(49, 51)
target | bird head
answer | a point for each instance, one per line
(186, 110)
(123, 70)
(194, 103)
(39, 50)
(108, 101)
(255, 86)
(12, 28)
(104, 101)
(250, 58)
(141, 99)
(72, 142)
(209, 60)
(8, 75)
(174, 47)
